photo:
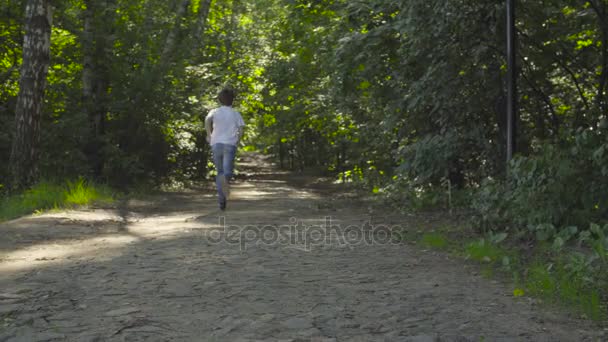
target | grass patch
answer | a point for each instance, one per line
(48, 195)
(562, 278)
(83, 193)
(250, 148)
(558, 284)
(434, 240)
(485, 251)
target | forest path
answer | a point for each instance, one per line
(155, 271)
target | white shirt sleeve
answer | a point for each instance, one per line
(210, 115)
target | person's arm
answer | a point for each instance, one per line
(239, 133)
(209, 126)
(240, 129)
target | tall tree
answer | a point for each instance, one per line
(203, 12)
(601, 10)
(172, 36)
(36, 55)
(97, 41)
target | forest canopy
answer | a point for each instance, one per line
(406, 98)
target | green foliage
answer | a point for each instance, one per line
(570, 278)
(404, 98)
(574, 278)
(426, 161)
(404, 195)
(151, 100)
(50, 195)
(552, 194)
(45, 195)
(568, 284)
(434, 240)
(485, 250)
(366, 89)
(82, 192)
(376, 88)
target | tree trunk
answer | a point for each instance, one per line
(234, 25)
(97, 43)
(601, 9)
(171, 40)
(203, 13)
(88, 82)
(281, 154)
(36, 54)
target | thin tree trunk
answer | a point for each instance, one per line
(171, 39)
(281, 154)
(88, 76)
(545, 98)
(203, 13)
(156, 71)
(23, 162)
(236, 7)
(88, 53)
(97, 42)
(601, 9)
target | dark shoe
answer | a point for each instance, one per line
(225, 186)
(227, 189)
(223, 205)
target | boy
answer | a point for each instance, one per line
(224, 128)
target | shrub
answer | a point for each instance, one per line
(559, 187)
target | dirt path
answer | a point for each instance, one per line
(166, 270)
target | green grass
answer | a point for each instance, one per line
(434, 240)
(554, 278)
(48, 195)
(84, 193)
(555, 284)
(250, 148)
(485, 251)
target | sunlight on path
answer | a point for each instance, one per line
(50, 254)
(174, 267)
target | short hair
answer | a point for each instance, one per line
(226, 97)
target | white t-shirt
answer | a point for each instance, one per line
(226, 124)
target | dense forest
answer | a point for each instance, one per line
(405, 98)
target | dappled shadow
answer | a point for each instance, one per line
(184, 286)
(151, 270)
(34, 230)
(73, 225)
(27, 239)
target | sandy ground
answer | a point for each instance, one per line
(174, 268)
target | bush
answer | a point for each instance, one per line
(559, 187)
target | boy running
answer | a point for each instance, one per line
(224, 128)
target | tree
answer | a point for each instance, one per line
(97, 41)
(36, 54)
(203, 12)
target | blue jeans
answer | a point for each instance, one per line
(223, 158)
